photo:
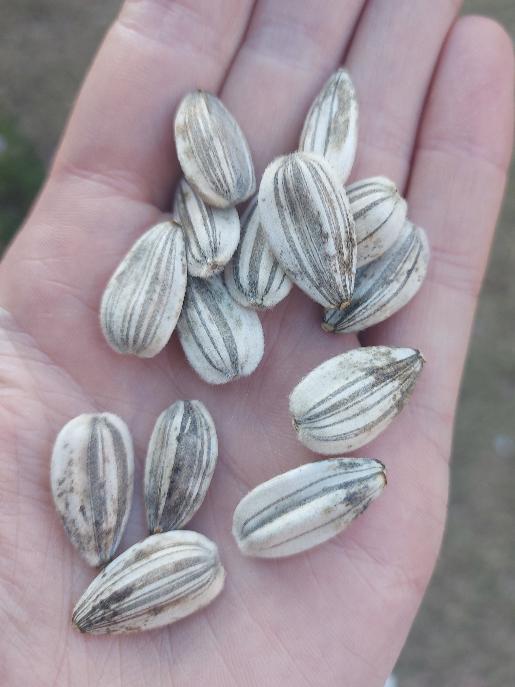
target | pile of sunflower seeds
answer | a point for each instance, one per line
(207, 273)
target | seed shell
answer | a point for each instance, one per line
(211, 234)
(331, 125)
(309, 227)
(222, 340)
(213, 151)
(181, 459)
(350, 399)
(156, 582)
(92, 482)
(254, 277)
(379, 213)
(143, 299)
(384, 286)
(306, 506)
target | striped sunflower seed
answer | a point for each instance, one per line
(143, 299)
(306, 506)
(91, 477)
(379, 214)
(384, 286)
(211, 234)
(347, 401)
(254, 277)
(309, 227)
(181, 459)
(221, 339)
(213, 151)
(156, 582)
(331, 126)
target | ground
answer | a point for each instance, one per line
(465, 633)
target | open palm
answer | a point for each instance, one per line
(435, 100)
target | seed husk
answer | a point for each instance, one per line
(143, 299)
(254, 277)
(350, 399)
(156, 582)
(213, 152)
(305, 507)
(379, 213)
(92, 482)
(309, 227)
(211, 234)
(222, 340)
(181, 460)
(331, 125)
(384, 286)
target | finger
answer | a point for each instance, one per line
(121, 129)
(116, 161)
(391, 60)
(289, 50)
(455, 192)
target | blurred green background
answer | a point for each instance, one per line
(465, 633)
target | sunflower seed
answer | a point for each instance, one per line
(143, 299)
(384, 286)
(213, 151)
(157, 581)
(331, 126)
(347, 401)
(221, 339)
(92, 479)
(181, 459)
(379, 214)
(211, 234)
(309, 227)
(306, 506)
(254, 277)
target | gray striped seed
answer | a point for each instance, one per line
(309, 227)
(379, 214)
(143, 299)
(331, 125)
(181, 459)
(211, 234)
(347, 401)
(306, 506)
(92, 481)
(156, 582)
(384, 286)
(254, 277)
(213, 152)
(221, 339)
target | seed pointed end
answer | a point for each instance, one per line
(327, 327)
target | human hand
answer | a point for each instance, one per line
(340, 613)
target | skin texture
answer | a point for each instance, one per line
(341, 612)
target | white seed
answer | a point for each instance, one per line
(254, 277)
(156, 582)
(221, 339)
(347, 401)
(379, 214)
(211, 234)
(181, 459)
(309, 227)
(331, 126)
(143, 299)
(384, 286)
(306, 506)
(92, 481)
(213, 151)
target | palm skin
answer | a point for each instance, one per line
(435, 99)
